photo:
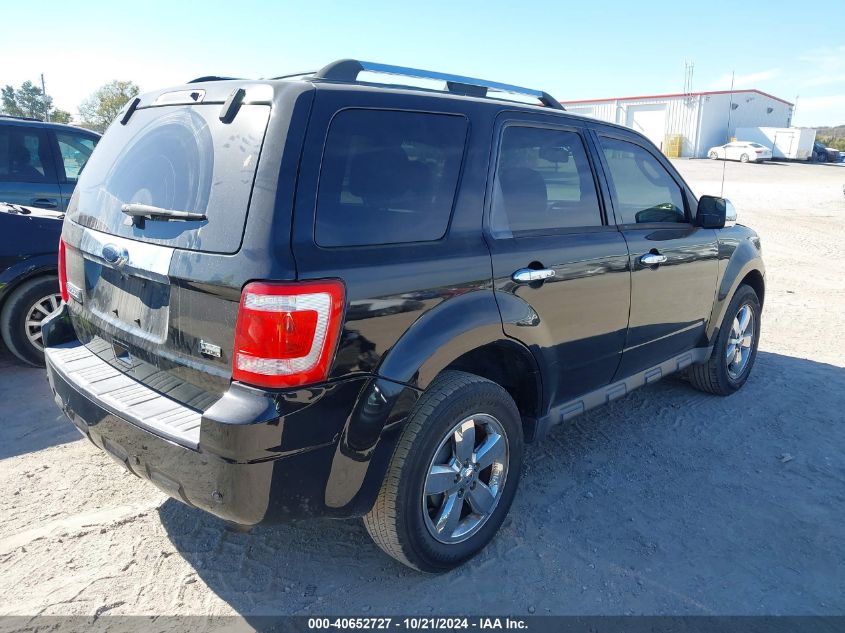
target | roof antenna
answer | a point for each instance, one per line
(730, 109)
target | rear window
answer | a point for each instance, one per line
(388, 177)
(180, 158)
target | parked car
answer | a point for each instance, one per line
(743, 152)
(29, 283)
(208, 341)
(40, 162)
(822, 154)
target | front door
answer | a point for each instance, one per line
(560, 270)
(674, 263)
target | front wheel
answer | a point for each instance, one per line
(453, 476)
(714, 155)
(735, 348)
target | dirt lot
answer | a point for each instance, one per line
(668, 501)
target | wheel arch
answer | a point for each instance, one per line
(744, 266)
(465, 333)
(22, 272)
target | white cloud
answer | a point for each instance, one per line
(750, 80)
(824, 80)
(824, 66)
(819, 104)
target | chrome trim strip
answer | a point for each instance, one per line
(143, 259)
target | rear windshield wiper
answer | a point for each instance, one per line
(140, 212)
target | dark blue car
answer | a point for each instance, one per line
(29, 286)
(40, 162)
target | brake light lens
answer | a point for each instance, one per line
(63, 271)
(286, 333)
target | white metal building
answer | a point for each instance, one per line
(694, 121)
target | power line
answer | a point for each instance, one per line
(44, 93)
(728, 139)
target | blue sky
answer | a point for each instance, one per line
(587, 49)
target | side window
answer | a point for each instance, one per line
(543, 183)
(388, 177)
(24, 155)
(75, 150)
(645, 192)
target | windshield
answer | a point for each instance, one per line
(177, 158)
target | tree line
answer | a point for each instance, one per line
(96, 112)
(832, 136)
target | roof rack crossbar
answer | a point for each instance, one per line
(348, 70)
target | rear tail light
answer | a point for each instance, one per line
(759, 151)
(287, 332)
(63, 271)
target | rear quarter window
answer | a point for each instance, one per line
(388, 177)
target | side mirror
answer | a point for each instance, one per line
(555, 154)
(715, 213)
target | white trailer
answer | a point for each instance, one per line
(792, 143)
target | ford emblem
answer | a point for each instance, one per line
(115, 255)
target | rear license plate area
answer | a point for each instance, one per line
(129, 301)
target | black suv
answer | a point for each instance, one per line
(324, 296)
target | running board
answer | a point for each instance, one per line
(597, 398)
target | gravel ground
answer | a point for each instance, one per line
(668, 501)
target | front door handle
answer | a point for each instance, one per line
(653, 259)
(45, 203)
(530, 275)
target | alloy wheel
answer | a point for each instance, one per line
(740, 342)
(465, 479)
(36, 314)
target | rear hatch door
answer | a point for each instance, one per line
(157, 297)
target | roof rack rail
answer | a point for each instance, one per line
(348, 70)
(210, 78)
(290, 76)
(21, 118)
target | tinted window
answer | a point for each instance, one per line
(178, 158)
(25, 155)
(543, 183)
(388, 177)
(645, 192)
(75, 150)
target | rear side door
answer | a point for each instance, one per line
(560, 268)
(389, 200)
(72, 150)
(27, 170)
(674, 263)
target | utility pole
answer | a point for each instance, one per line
(44, 92)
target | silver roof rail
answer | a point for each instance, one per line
(348, 70)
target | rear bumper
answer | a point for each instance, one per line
(258, 457)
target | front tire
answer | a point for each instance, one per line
(24, 310)
(714, 155)
(453, 475)
(735, 348)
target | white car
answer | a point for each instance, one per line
(741, 151)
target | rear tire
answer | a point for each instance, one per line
(410, 521)
(743, 158)
(23, 310)
(730, 362)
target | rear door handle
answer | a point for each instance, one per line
(45, 203)
(529, 275)
(653, 259)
